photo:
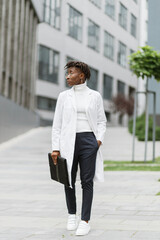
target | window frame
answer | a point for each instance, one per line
(73, 14)
(107, 45)
(96, 39)
(49, 65)
(122, 16)
(52, 11)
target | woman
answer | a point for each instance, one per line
(77, 133)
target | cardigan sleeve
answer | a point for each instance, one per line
(101, 119)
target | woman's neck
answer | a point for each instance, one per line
(80, 87)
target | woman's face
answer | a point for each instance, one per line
(74, 76)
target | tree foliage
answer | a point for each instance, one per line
(145, 63)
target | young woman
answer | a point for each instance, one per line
(77, 133)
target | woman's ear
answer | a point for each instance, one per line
(82, 76)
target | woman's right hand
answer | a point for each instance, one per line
(54, 156)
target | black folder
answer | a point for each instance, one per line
(59, 171)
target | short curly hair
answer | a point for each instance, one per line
(82, 66)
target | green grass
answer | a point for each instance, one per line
(132, 166)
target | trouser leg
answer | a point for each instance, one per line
(87, 161)
(70, 193)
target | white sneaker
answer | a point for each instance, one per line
(72, 222)
(83, 228)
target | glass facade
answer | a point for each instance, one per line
(108, 45)
(131, 51)
(93, 81)
(93, 35)
(122, 54)
(107, 86)
(110, 8)
(48, 64)
(133, 25)
(123, 16)
(52, 12)
(67, 60)
(75, 24)
(45, 103)
(121, 87)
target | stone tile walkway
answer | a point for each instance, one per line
(32, 206)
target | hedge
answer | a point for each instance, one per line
(140, 128)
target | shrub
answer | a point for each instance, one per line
(140, 128)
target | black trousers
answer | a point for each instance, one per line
(85, 152)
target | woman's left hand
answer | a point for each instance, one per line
(99, 142)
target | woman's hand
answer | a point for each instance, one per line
(99, 142)
(54, 156)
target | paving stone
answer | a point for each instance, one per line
(32, 206)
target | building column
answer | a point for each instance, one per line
(24, 73)
(2, 37)
(20, 53)
(15, 51)
(29, 58)
(8, 49)
(34, 66)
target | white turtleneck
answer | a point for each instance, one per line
(81, 94)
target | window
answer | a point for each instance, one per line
(67, 60)
(123, 16)
(48, 64)
(46, 103)
(107, 87)
(52, 12)
(92, 82)
(108, 45)
(122, 54)
(75, 24)
(96, 3)
(133, 25)
(120, 119)
(131, 51)
(110, 8)
(93, 35)
(121, 88)
(131, 92)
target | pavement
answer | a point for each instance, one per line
(32, 206)
(118, 146)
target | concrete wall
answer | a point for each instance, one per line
(15, 119)
(154, 40)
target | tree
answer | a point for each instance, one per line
(145, 63)
(122, 104)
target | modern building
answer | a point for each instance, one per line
(18, 25)
(154, 41)
(102, 33)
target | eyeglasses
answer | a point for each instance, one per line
(66, 74)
